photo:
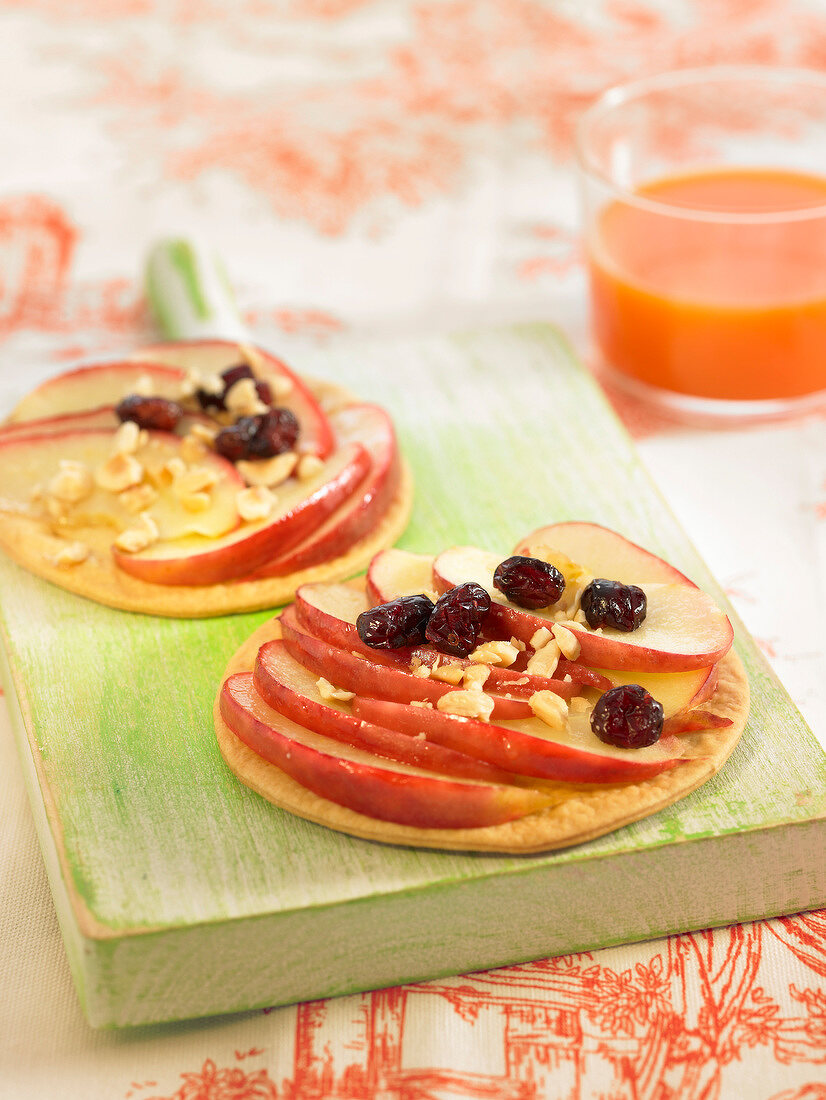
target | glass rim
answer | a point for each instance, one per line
(620, 94)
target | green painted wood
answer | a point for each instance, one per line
(181, 893)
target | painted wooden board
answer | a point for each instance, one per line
(180, 893)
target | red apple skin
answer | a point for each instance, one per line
(694, 720)
(234, 556)
(342, 634)
(367, 677)
(278, 680)
(621, 652)
(213, 356)
(507, 748)
(364, 509)
(64, 393)
(99, 419)
(377, 790)
(574, 535)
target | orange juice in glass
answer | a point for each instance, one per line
(705, 235)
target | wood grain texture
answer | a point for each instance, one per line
(164, 855)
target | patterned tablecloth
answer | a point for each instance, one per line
(390, 165)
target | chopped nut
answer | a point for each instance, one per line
(578, 705)
(196, 479)
(520, 645)
(279, 386)
(119, 472)
(268, 471)
(255, 502)
(202, 433)
(540, 637)
(192, 448)
(329, 693)
(475, 676)
(138, 538)
(567, 641)
(127, 438)
(494, 653)
(55, 508)
(552, 709)
(545, 660)
(522, 680)
(421, 671)
(580, 617)
(422, 703)
(242, 398)
(73, 553)
(308, 466)
(467, 704)
(137, 498)
(448, 674)
(72, 482)
(191, 383)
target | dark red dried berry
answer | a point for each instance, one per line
(277, 432)
(153, 413)
(529, 582)
(609, 603)
(627, 717)
(398, 623)
(233, 443)
(234, 374)
(457, 619)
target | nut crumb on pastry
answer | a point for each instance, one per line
(73, 553)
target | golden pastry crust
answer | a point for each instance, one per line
(579, 814)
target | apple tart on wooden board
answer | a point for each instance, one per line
(475, 703)
(197, 478)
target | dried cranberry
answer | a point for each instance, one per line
(397, 623)
(457, 619)
(529, 582)
(628, 717)
(609, 603)
(277, 432)
(154, 413)
(233, 443)
(229, 377)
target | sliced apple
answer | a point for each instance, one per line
(395, 573)
(364, 509)
(293, 691)
(695, 720)
(528, 746)
(94, 387)
(27, 461)
(104, 417)
(362, 781)
(602, 552)
(676, 691)
(299, 507)
(683, 628)
(211, 357)
(329, 611)
(353, 671)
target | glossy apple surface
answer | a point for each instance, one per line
(395, 573)
(362, 781)
(363, 510)
(293, 691)
(96, 386)
(528, 746)
(329, 611)
(359, 673)
(29, 460)
(683, 628)
(299, 509)
(603, 552)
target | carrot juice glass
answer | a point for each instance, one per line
(705, 234)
